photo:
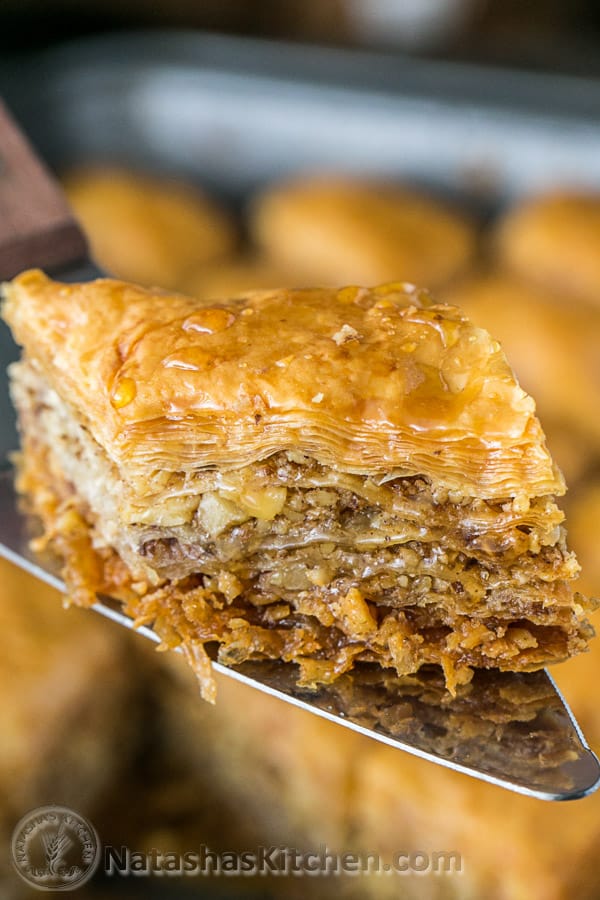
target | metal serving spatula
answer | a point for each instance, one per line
(513, 730)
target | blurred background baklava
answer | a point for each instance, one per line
(201, 166)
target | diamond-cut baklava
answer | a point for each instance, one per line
(331, 229)
(319, 476)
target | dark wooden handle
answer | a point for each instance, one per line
(37, 227)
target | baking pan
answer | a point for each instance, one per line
(233, 113)
(236, 112)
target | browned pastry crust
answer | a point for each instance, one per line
(552, 344)
(553, 240)
(320, 476)
(336, 230)
(147, 229)
(380, 383)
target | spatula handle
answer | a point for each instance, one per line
(37, 227)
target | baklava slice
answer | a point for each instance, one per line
(319, 476)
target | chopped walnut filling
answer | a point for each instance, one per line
(290, 559)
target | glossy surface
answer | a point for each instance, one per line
(365, 380)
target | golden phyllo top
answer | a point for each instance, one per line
(374, 381)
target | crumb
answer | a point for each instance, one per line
(346, 333)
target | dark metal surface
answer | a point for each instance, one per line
(235, 113)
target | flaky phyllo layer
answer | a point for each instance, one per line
(353, 476)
